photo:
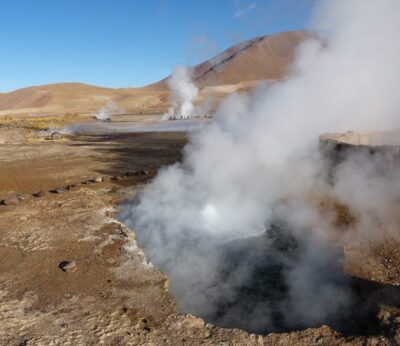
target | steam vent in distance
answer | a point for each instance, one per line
(200, 173)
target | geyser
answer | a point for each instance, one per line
(183, 93)
(107, 111)
(259, 162)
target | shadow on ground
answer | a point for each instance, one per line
(133, 151)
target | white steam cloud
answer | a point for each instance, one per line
(183, 94)
(259, 164)
(108, 110)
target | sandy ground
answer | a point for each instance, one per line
(111, 294)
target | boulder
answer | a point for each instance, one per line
(22, 196)
(67, 266)
(14, 200)
(110, 260)
(55, 136)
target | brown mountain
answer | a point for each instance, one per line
(262, 58)
(235, 69)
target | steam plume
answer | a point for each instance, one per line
(258, 164)
(108, 110)
(183, 93)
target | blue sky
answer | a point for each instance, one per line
(121, 43)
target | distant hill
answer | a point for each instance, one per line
(74, 98)
(237, 68)
(262, 58)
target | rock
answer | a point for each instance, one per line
(14, 200)
(98, 179)
(59, 190)
(89, 238)
(76, 185)
(67, 266)
(110, 260)
(116, 177)
(109, 213)
(206, 333)
(22, 197)
(55, 136)
(387, 315)
(39, 194)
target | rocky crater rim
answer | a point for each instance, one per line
(376, 139)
